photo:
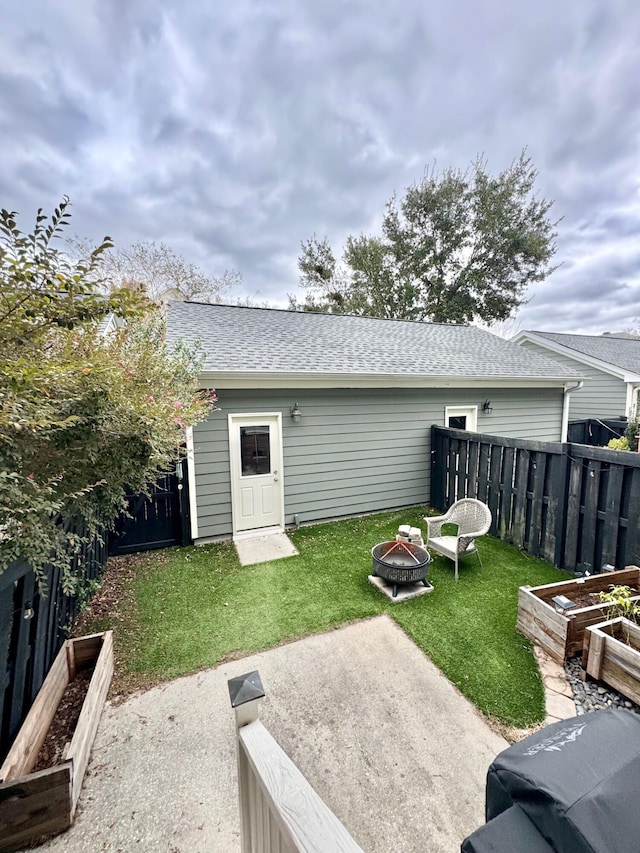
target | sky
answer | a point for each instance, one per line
(234, 131)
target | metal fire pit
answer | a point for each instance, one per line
(400, 563)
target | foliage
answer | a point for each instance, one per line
(458, 247)
(195, 607)
(619, 599)
(81, 414)
(629, 441)
(631, 434)
(158, 271)
(621, 443)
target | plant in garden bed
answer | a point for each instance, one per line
(620, 601)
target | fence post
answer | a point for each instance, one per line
(245, 693)
(437, 497)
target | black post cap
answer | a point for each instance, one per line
(245, 688)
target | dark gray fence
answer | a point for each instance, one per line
(157, 520)
(596, 432)
(575, 506)
(32, 631)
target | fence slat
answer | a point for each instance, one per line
(573, 505)
(611, 525)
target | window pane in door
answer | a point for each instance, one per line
(458, 422)
(255, 451)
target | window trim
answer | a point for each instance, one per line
(470, 412)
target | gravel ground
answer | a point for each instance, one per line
(592, 695)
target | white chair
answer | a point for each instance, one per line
(473, 519)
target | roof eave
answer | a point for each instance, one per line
(226, 379)
(583, 358)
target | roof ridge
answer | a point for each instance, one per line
(322, 314)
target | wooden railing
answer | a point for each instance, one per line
(279, 810)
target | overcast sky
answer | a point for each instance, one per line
(233, 131)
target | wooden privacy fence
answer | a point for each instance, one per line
(33, 629)
(596, 431)
(575, 506)
(159, 519)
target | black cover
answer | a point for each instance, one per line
(510, 832)
(578, 781)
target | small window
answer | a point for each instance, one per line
(255, 451)
(461, 417)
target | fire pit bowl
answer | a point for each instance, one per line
(400, 562)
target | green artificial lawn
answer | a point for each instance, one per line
(195, 607)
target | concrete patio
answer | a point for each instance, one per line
(389, 744)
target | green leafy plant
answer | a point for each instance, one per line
(619, 443)
(629, 441)
(82, 413)
(619, 599)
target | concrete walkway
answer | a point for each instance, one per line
(389, 744)
(559, 701)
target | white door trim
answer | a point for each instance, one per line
(191, 474)
(233, 462)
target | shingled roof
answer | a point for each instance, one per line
(622, 352)
(265, 340)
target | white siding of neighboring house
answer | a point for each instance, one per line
(603, 395)
(356, 451)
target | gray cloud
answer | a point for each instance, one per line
(234, 132)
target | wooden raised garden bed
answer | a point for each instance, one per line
(33, 804)
(561, 634)
(612, 654)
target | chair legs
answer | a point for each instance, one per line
(456, 562)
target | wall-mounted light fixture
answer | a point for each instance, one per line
(562, 603)
(28, 611)
(487, 408)
(296, 414)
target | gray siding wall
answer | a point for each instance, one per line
(603, 395)
(355, 451)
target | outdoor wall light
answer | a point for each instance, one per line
(296, 414)
(28, 612)
(487, 408)
(562, 603)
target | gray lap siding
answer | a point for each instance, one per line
(355, 450)
(602, 395)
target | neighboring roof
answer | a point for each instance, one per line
(612, 350)
(261, 341)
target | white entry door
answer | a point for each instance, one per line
(257, 494)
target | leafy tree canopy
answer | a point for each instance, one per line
(458, 247)
(82, 414)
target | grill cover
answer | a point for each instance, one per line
(510, 832)
(577, 781)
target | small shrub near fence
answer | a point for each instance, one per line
(575, 506)
(33, 629)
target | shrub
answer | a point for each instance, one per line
(621, 443)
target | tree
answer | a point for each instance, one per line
(458, 247)
(82, 415)
(158, 271)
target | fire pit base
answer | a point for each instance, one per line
(404, 592)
